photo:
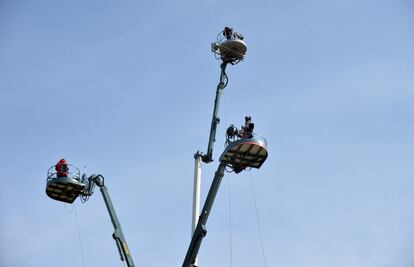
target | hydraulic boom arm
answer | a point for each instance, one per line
(201, 230)
(216, 120)
(118, 235)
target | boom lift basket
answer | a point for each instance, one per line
(245, 153)
(229, 46)
(64, 188)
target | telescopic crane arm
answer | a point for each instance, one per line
(65, 184)
(118, 235)
(230, 48)
(201, 230)
(207, 158)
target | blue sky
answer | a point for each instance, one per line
(126, 89)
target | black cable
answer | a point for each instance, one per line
(223, 75)
(226, 78)
(229, 169)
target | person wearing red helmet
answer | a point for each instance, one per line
(62, 168)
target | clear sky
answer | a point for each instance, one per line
(126, 89)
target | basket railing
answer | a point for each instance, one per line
(73, 173)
